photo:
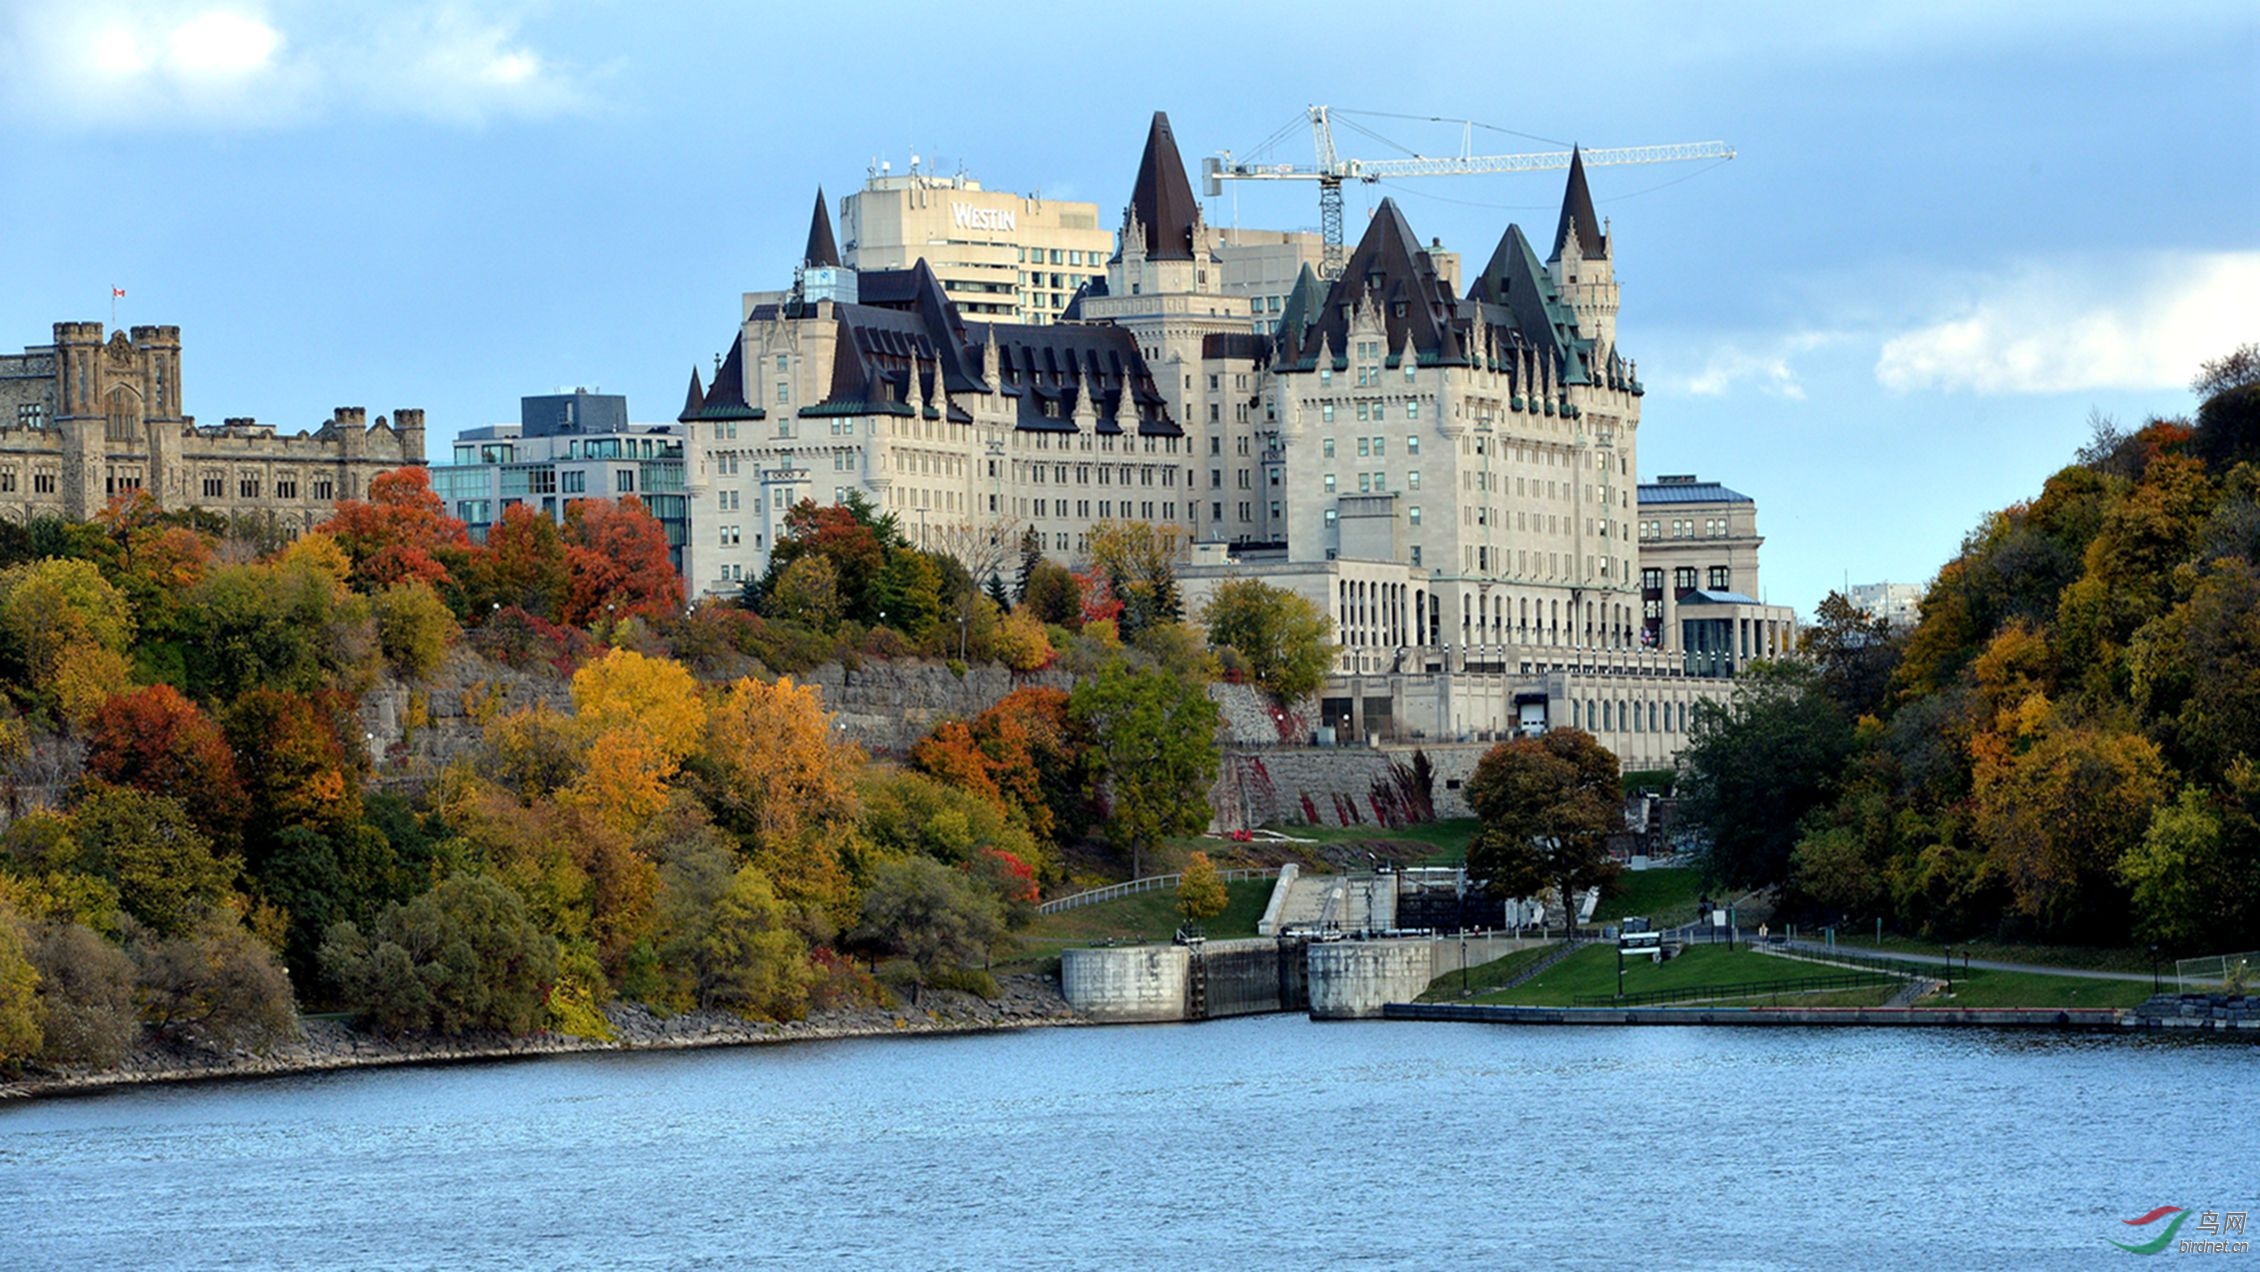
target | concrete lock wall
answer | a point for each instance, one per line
(1351, 980)
(1145, 982)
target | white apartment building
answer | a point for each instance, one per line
(999, 256)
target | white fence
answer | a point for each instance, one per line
(1148, 884)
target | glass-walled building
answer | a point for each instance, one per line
(567, 446)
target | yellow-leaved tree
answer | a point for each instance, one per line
(779, 776)
(639, 718)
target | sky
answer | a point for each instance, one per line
(1952, 236)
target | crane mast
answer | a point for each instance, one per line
(1331, 170)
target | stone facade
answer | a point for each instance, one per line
(87, 419)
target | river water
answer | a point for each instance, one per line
(1262, 1142)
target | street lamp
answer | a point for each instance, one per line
(2154, 969)
(1620, 966)
(1949, 969)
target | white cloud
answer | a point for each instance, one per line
(160, 64)
(1764, 365)
(2144, 323)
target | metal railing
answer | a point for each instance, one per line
(1150, 883)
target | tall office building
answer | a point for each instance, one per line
(999, 256)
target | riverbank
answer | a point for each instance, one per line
(1023, 1002)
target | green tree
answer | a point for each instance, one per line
(808, 593)
(464, 956)
(934, 916)
(1284, 638)
(750, 959)
(20, 1034)
(1548, 806)
(1855, 653)
(1155, 739)
(163, 866)
(1200, 890)
(1757, 766)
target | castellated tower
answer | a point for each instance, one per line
(1581, 263)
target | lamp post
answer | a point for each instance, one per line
(1949, 969)
(2154, 969)
(1620, 967)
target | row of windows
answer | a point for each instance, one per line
(1369, 412)
(1684, 528)
(1107, 509)
(1619, 715)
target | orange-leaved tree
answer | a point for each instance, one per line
(158, 741)
(399, 533)
(617, 564)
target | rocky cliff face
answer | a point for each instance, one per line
(415, 729)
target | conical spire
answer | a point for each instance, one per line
(822, 249)
(693, 402)
(1577, 213)
(1162, 200)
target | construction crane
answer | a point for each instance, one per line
(1332, 170)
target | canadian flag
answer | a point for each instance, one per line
(117, 293)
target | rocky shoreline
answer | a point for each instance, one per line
(1023, 1002)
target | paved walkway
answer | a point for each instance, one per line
(1976, 964)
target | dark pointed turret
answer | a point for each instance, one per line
(1162, 199)
(1392, 271)
(822, 248)
(1577, 213)
(693, 402)
(1302, 309)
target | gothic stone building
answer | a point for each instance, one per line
(85, 420)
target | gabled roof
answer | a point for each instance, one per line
(1392, 270)
(1162, 199)
(822, 249)
(1689, 491)
(693, 401)
(1521, 294)
(1577, 213)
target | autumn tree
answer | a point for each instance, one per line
(808, 593)
(1200, 890)
(289, 625)
(1282, 636)
(749, 959)
(523, 567)
(2057, 809)
(86, 1006)
(215, 986)
(617, 564)
(1052, 596)
(414, 627)
(158, 741)
(1548, 805)
(1155, 741)
(64, 630)
(1138, 561)
(400, 532)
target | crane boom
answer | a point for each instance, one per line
(1332, 169)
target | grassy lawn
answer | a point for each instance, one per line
(1146, 916)
(1449, 838)
(2085, 958)
(1485, 976)
(1593, 970)
(1666, 897)
(1982, 988)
